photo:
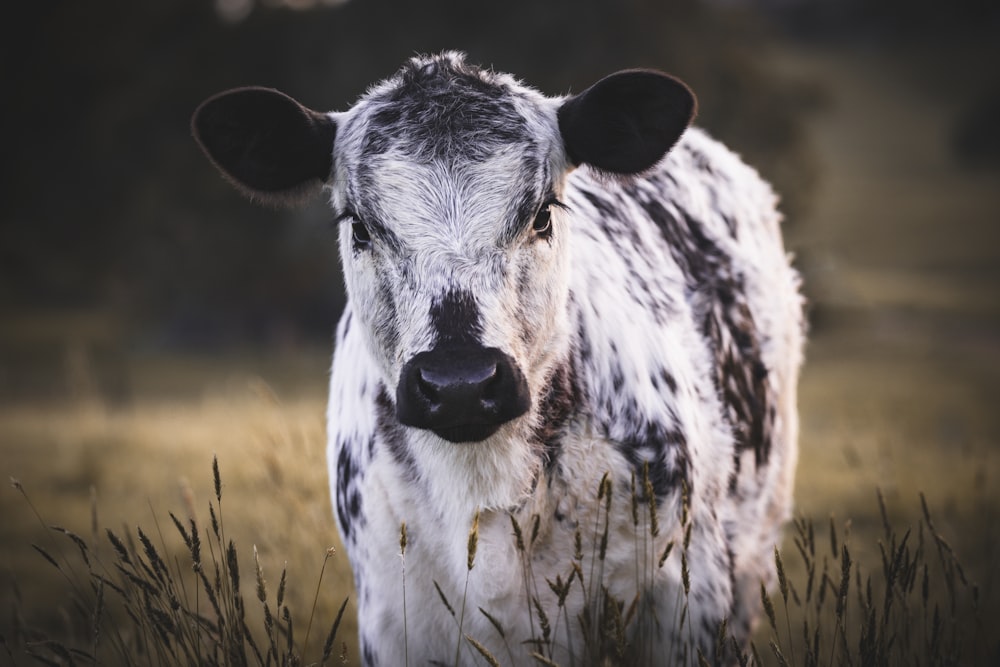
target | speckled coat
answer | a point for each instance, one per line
(656, 322)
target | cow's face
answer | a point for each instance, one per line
(446, 181)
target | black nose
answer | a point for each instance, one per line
(461, 393)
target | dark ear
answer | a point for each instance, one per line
(625, 123)
(270, 146)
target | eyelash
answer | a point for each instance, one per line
(542, 224)
(360, 236)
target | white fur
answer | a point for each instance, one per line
(448, 216)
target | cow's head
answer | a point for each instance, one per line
(447, 181)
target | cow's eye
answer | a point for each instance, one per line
(360, 237)
(359, 234)
(542, 224)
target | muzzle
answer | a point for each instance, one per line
(462, 393)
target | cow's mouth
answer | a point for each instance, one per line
(467, 432)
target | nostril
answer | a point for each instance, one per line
(462, 394)
(492, 382)
(427, 386)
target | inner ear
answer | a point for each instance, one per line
(270, 146)
(626, 122)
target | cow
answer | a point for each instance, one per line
(563, 393)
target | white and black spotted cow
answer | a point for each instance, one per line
(541, 291)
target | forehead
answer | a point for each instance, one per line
(440, 109)
(447, 138)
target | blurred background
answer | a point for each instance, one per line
(150, 316)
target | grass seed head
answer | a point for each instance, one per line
(331, 637)
(483, 651)
(518, 535)
(779, 655)
(261, 589)
(604, 541)
(195, 544)
(93, 513)
(46, 556)
(281, 587)
(685, 573)
(494, 622)
(217, 478)
(542, 660)
(720, 637)
(685, 502)
(119, 547)
(635, 500)
(845, 581)
(159, 567)
(473, 541)
(543, 621)
(234, 566)
(666, 553)
(447, 605)
(215, 522)
(782, 581)
(78, 541)
(654, 526)
(833, 537)
(765, 600)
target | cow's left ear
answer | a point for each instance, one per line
(626, 122)
(268, 145)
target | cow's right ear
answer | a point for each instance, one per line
(268, 145)
(625, 123)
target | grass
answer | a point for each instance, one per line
(926, 425)
(923, 423)
(916, 606)
(137, 603)
(133, 462)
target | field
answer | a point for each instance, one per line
(901, 255)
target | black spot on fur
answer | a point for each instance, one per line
(584, 352)
(456, 319)
(719, 300)
(368, 656)
(560, 401)
(349, 508)
(605, 208)
(669, 380)
(700, 160)
(444, 109)
(391, 433)
(666, 452)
